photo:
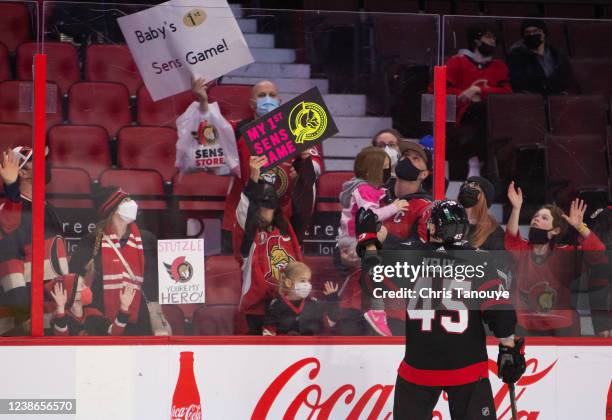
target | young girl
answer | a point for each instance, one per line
(544, 270)
(72, 316)
(295, 312)
(372, 169)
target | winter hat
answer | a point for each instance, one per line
(485, 185)
(107, 199)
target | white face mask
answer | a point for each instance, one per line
(127, 211)
(393, 155)
(302, 290)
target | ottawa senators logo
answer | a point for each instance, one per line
(278, 177)
(207, 134)
(180, 270)
(278, 258)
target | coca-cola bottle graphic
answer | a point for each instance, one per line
(186, 398)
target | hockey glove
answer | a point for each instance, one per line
(511, 361)
(367, 226)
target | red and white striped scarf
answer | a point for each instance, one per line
(114, 274)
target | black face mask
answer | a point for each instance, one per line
(486, 50)
(538, 236)
(386, 175)
(406, 170)
(468, 197)
(532, 41)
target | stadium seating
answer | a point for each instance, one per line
(16, 103)
(69, 188)
(148, 148)
(163, 112)
(5, 68)
(80, 146)
(570, 11)
(233, 100)
(388, 6)
(577, 114)
(100, 67)
(578, 160)
(145, 186)
(593, 75)
(14, 24)
(511, 9)
(438, 7)
(174, 315)
(62, 63)
(329, 186)
(201, 191)
(12, 135)
(223, 280)
(100, 103)
(590, 39)
(214, 320)
(467, 8)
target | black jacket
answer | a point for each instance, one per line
(527, 75)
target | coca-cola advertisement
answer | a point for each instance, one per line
(250, 380)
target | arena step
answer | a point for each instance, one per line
(301, 84)
(247, 25)
(361, 126)
(272, 70)
(273, 55)
(259, 40)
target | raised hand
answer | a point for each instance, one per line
(515, 195)
(577, 209)
(126, 297)
(9, 167)
(329, 288)
(255, 165)
(60, 297)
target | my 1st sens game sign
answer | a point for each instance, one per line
(180, 266)
(297, 125)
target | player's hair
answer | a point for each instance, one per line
(292, 270)
(485, 223)
(369, 165)
(557, 216)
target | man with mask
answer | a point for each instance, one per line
(536, 66)
(472, 75)
(16, 239)
(294, 181)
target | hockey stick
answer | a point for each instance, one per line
(513, 401)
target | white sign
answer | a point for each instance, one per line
(179, 39)
(242, 381)
(180, 267)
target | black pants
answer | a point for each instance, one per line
(472, 401)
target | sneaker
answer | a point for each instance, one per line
(378, 320)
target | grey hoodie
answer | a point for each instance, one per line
(347, 190)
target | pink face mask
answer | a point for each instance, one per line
(86, 296)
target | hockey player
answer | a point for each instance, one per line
(446, 348)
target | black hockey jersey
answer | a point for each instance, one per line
(303, 317)
(445, 335)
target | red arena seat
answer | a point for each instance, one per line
(577, 114)
(112, 63)
(148, 148)
(5, 68)
(201, 191)
(146, 187)
(214, 320)
(62, 63)
(593, 75)
(12, 135)
(175, 317)
(329, 187)
(233, 100)
(164, 112)
(80, 146)
(14, 24)
(69, 188)
(590, 39)
(100, 103)
(16, 103)
(223, 280)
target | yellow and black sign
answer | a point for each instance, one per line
(283, 133)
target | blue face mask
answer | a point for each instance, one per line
(266, 104)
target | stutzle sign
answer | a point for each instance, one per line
(179, 39)
(180, 269)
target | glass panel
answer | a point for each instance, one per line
(533, 111)
(370, 69)
(18, 45)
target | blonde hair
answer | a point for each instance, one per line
(369, 165)
(485, 223)
(292, 270)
